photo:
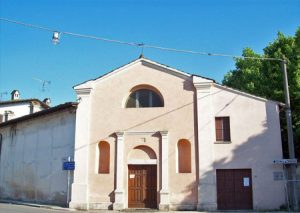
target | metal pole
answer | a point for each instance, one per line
(288, 114)
(68, 184)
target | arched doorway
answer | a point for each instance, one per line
(142, 178)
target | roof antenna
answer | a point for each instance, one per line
(2, 94)
(141, 45)
(45, 83)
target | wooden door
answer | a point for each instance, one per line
(142, 191)
(234, 189)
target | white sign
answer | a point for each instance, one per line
(246, 181)
(131, 176)
(285, 161)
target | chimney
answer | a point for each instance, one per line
(47, 101)
(15, 95)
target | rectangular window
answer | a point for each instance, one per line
(222, 128)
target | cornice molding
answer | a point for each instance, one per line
(164, 133)
(203, 85)
(84, 91)
(140, 132)
(120, 134)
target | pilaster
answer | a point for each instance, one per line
(79, 197)
(119, 191)
(164, 192)
(207, 199)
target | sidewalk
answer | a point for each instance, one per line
(45, 206)
(65, 209)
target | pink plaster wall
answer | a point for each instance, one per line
(109, 116)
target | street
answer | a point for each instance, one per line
(16, 208)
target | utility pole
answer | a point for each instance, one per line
(288, 115)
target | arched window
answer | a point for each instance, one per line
(144, 98)
(104, 157)
(184, 156)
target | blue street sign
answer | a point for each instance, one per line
(69, 165)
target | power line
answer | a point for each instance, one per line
(136, 44)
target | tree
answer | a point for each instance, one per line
(264, 78)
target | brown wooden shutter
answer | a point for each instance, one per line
(222, 128)
(219, 129)
(226, 129)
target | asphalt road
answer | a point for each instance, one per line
(15, 208)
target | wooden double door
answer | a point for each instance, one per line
(234, 189)
(142, 186)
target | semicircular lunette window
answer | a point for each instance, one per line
(144, 98)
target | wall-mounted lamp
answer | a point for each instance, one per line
(55, 37)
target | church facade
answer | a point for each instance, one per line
(150, 136)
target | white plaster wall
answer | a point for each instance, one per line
(31, 158)
(255, 143)
(37, 108)
(19, 109)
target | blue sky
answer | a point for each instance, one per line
(210, 26)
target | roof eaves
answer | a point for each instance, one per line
(140, 59)
(25, 101)
(210, 79)
(108, 73)
(249, 95)
(167, 67)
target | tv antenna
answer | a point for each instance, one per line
(2, 94)
(45, 83)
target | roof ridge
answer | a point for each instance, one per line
(141, 58)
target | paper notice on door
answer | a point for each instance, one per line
(131, 176)
(246, 181)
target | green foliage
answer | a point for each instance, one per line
(264, 78)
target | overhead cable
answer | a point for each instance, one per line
(136, 44)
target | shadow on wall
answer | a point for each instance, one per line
(256, 153)
(31, 164)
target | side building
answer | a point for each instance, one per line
(32, 151)
(17, 107)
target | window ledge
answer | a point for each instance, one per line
(143, 107)
(184, 173)
(222, 142)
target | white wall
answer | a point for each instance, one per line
(32, 155)
(18, 109)
(255, 143)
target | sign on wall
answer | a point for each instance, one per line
(285, 161)
(69, 165)
(246, 181)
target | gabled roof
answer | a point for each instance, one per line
(89, 84)
(32, 100)
(144, 61)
